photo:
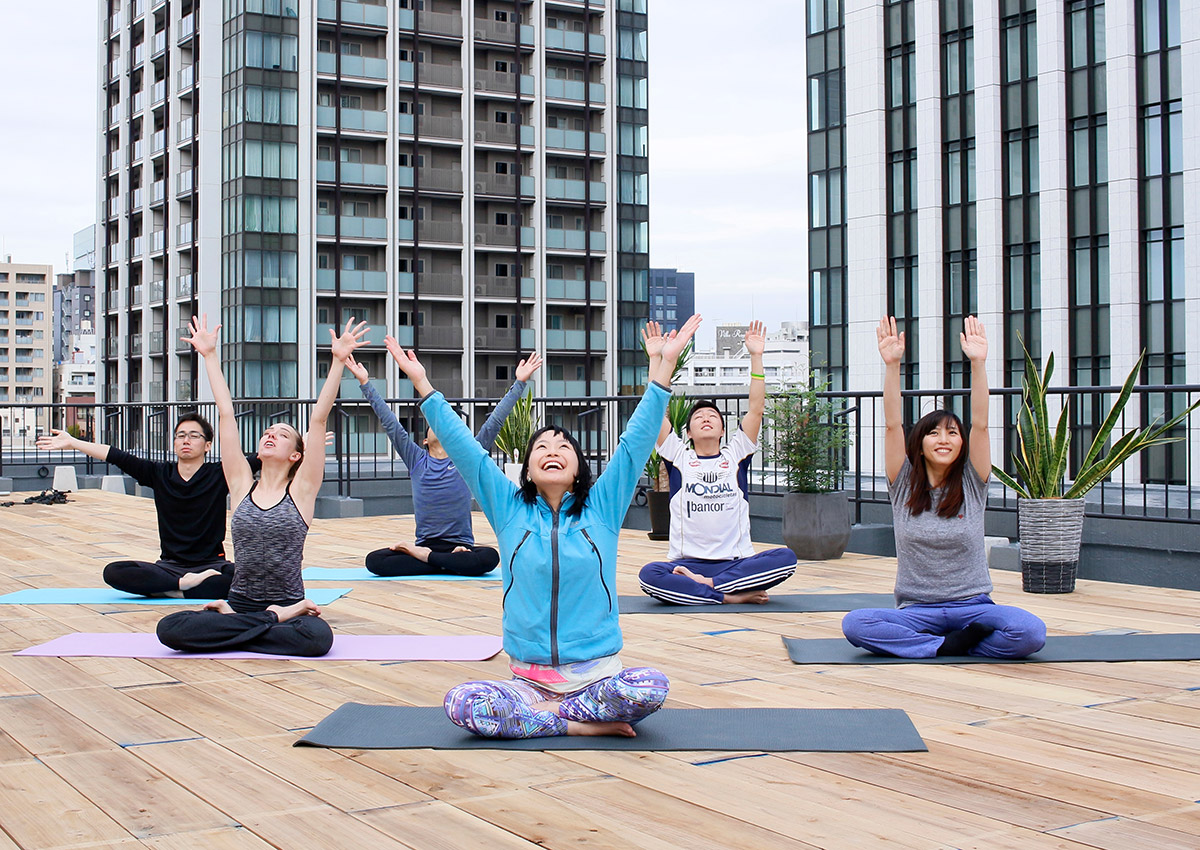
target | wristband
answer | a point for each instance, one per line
(759, 377)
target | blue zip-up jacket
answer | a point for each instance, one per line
(559, 572)
(441, 501)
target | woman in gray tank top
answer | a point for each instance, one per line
(266, 610)
(937, 482)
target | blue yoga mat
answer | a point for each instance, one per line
(363, 574)
(108, 596)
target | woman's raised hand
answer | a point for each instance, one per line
(202, 339)
(351, 339)
(974, 339)
(528, 366)
(677, 341)
(653, 340)
(357, 369)
(891, 344)
(406, 360)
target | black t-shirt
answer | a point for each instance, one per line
(191, 514)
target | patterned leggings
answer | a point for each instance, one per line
(502, 709)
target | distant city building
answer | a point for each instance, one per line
(75, 381)
(26, 346)
(730, 336)
(727, 370)
(672, 296)
(74, 309)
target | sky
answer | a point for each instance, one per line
(727, 168)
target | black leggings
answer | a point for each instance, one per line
(256, 631)
(477, 561)
(154, 579)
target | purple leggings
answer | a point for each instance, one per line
(502, 709)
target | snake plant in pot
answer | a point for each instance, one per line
(514, 434)
(658, 499)
(1049, 509)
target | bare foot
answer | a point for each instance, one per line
(458, 549)
(302, 608)
(696, 577)
(549, 705)
(615, 727)
(189, 580)
(421, 553)
(218, 605)
(756, 597)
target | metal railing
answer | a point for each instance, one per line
(1161, 484)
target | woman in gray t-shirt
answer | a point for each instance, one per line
(937, 482)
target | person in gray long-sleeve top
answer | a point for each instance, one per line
(441, 501)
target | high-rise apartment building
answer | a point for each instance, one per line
(672, 296)
(26, 345)
(1020, 160)
(470, 177)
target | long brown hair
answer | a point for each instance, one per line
(919, 499)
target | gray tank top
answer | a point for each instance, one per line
(268, 548)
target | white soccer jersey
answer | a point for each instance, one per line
(710, 499)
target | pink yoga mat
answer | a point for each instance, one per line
(345, 648)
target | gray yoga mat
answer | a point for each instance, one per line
(843, 730)
(784, 603)
(1174, 647)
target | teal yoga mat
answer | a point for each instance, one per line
(831, 730)
(363, 574)
(108, 596)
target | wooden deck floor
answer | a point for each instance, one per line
(1023, 756)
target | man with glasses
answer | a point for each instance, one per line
(189, 496)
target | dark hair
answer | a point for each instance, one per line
(583, 478)
(919, 499)
(194, 416)
(701, 405)
(300, 448)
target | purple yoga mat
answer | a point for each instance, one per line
(345, 648)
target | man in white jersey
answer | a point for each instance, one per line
(711, 559)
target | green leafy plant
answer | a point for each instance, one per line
(808, 439)
(514, 434)
(1041, 459)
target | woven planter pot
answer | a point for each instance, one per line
(1051, 531)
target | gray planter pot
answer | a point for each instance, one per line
(1051, 531)
(816, 526)
(659, 505)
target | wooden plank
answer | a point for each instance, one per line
(213, 839)
(41, 810)
(320, 828)
(141, 799)
(118, 716)
(44, 729)
(440, 826)
(1123, 833)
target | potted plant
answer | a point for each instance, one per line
(1049, 513)
(514, 434)
(808, 442)
(658, 498)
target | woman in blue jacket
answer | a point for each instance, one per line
(558, 534)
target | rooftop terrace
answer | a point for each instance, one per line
(1022, 756)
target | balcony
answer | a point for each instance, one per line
(374, 336)
(504, 134)
(135, 199)
(135, 392)
(363, 14)
(440, 23)
(114, 207)
(485, 389)
(135, 345)
(183, 389)
(180, 335)
(574, 290)
(445, 283)
(490, 286)
(503, 184)
(502, 32)
(573, 190)
(505, 339)
(136, 246)
(503, 81)
(135, 102)
(184, 181)
(156, 391)
(135, 295)
(186, 28)
(114, 114)
(158, 92)
(158, 241)
(158, 43)
(136, 56)
(575, 389)
(351, 388)
(442, 337)
(441, 179)
(114, 25)
(158, 192)
(156, 340)
(440, 127)
(186, 130)
(183, 286)
(364, 120)
(112, 347)
(503, 235)
(364, 67)
(574, 340)
(352, 280)
(352, 226)
(114, 253)
(574, 240)
(158, 142)
(358, 173)
(158, 294)
(405, 231)
(575, 140)
(114, 160)
(557, 39)
(135, 10)
(434, 74)
(574, 90)
(183, 233)
(448, 232)
(186, 78)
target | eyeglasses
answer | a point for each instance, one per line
(189, 435)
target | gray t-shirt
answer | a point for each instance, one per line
(939, 559)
